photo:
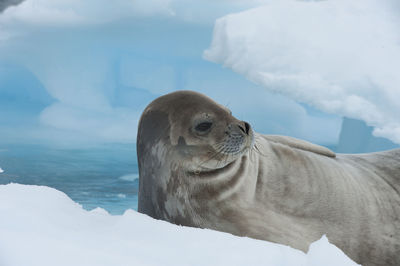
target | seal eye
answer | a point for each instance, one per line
(203, 127)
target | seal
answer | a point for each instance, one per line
(199, 166)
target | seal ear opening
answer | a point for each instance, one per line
(181, 141)
(174, 136)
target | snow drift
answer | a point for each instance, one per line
(339, 56)
(42, 226)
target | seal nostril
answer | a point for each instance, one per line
(247, 127)
(242, 129)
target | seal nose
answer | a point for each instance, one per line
(247, 126)
(245, 129)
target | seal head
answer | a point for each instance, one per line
(182, 134)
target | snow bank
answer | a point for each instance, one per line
(339, 56)
(42, 226)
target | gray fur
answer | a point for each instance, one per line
(276, 188)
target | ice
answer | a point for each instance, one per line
(129, 177)
(341, 56)
(1, 170)
(42, 226)
(92, 68)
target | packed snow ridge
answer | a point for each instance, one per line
(339, 56)
(43, 226)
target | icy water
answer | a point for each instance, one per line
(103, 176)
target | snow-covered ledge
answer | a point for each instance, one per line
(43, 226)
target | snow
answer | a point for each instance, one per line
(341, 56)
(1, 170)
(43, 226)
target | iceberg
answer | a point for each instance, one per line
(43, 226)
(81, 72)
(340, 57)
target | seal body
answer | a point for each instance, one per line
(199, 166)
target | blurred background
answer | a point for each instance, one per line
(76, 75)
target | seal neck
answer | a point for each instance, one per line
(217, 173)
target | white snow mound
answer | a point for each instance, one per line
(43, 226)
(339, 56)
